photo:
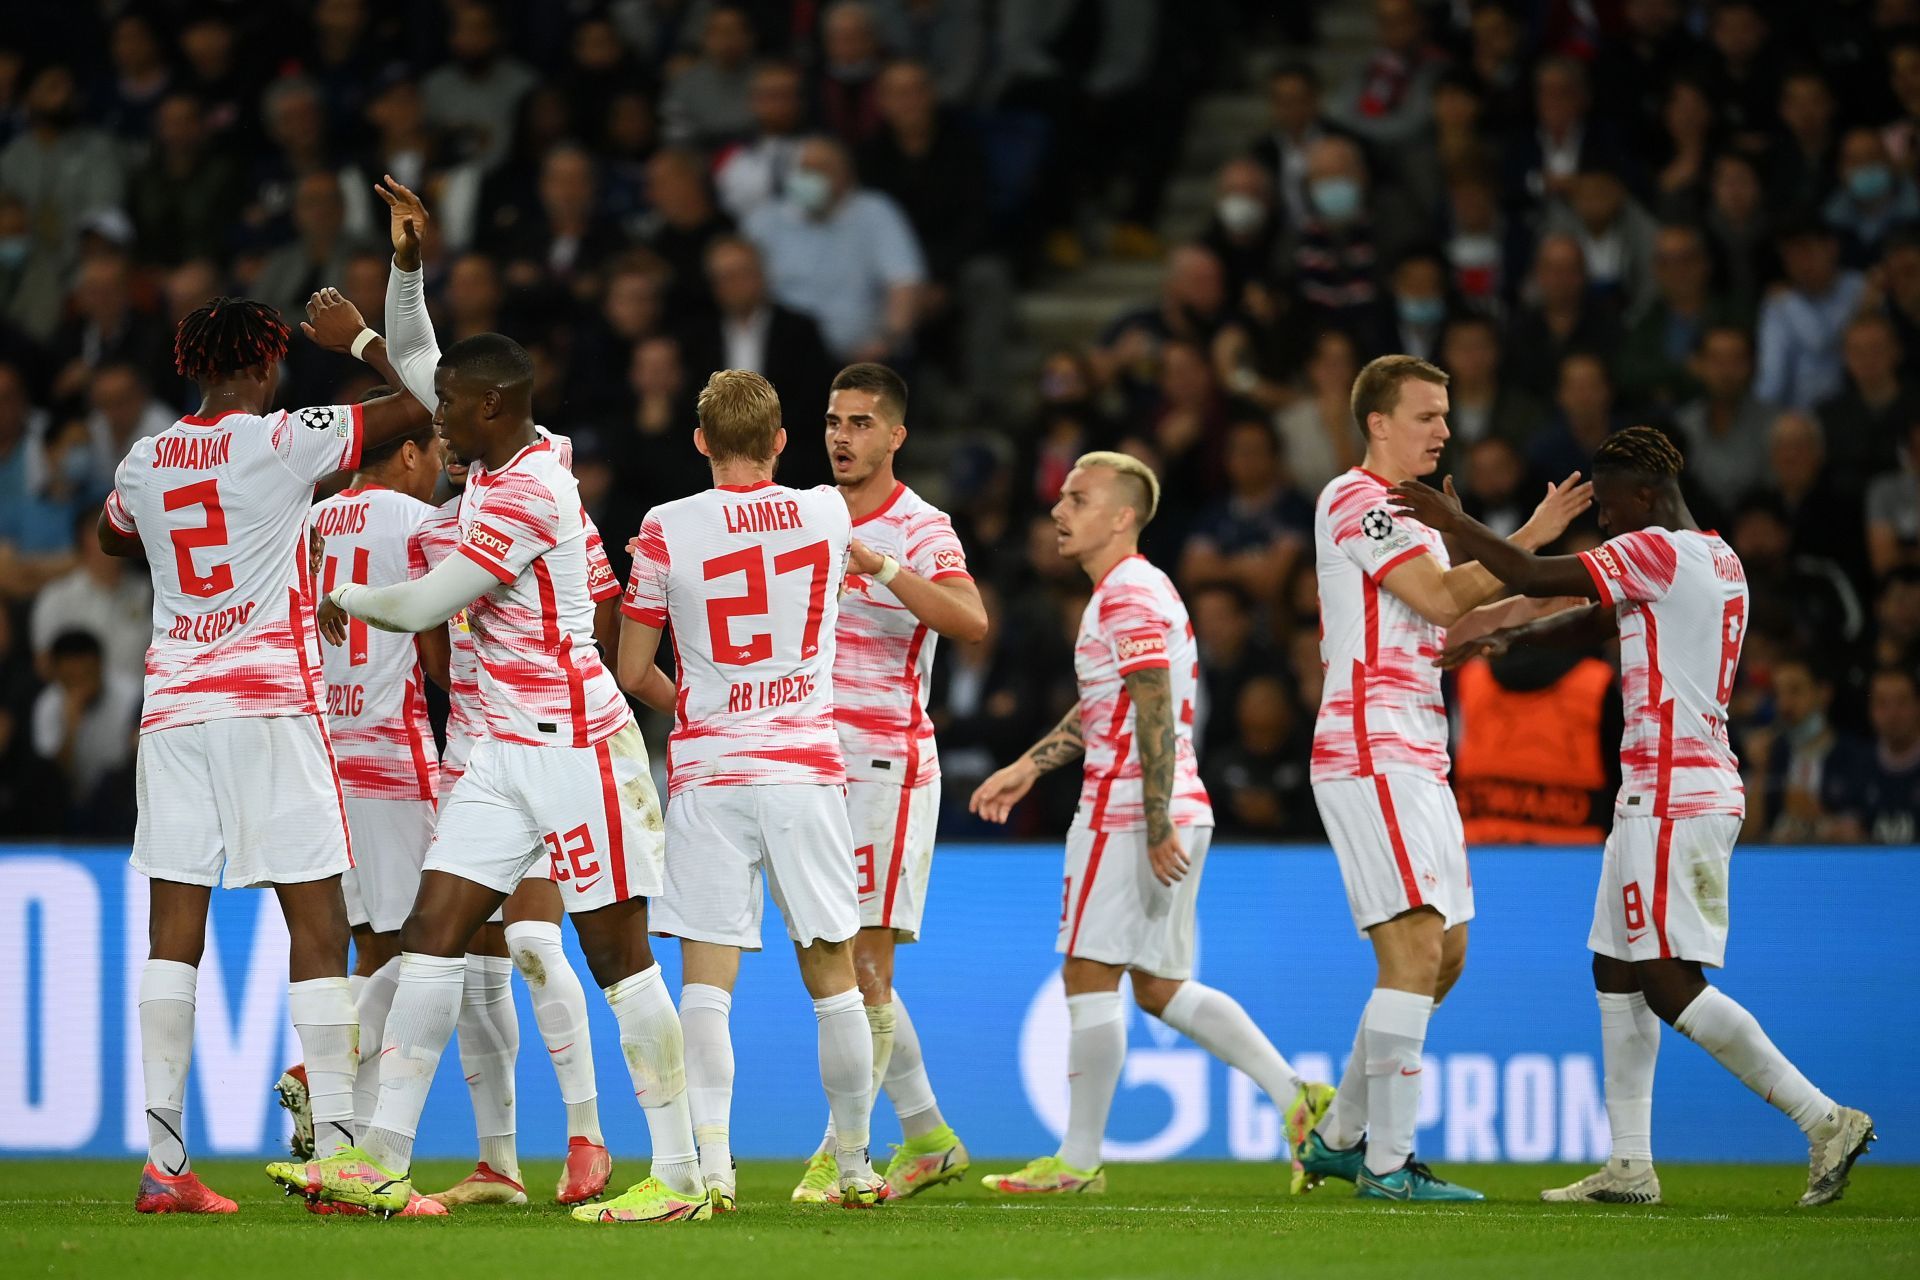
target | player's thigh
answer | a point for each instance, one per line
(279, 804)
(390, 839)
(1111, 913)
(482, 833)
(604, 844)
(713, 869)
(1169, 937)
(1619, 911)
(809, 860)
(1397, 843)
(537, 898)
(177, 833)
(1690, 906)
(893, 835)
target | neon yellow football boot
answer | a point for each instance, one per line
(1049, 1175)
(1310, 1106)
(926, 1161)
(820, 1184)
(652, 1201)
(348, 1178)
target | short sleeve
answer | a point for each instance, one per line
(646, 598)
(514, 524)
(601, 583)
(1371, 535)
(319, 440)
(933, 549)
(118, 514)
(1136, 628)
(1637, 566)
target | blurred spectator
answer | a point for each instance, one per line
(32, 289)
(651, 451)
(1898, 279)
(1233, 650)
(213, 71)
(403, 145)
(1067, 424)
(318, 258)
(1893, 511)
(1293, 99)
(1458, 143)
(1483, 404)
(1801, 164)
(630, 310)
(567, 235)
(949, 37)
(1585, 401)
(1741, 230)
(1252, 537)
(1389, 101)
(297, 124)
(1872, 199)
(1563, 140)
(850, 56)
(1903, 65)
(1318, 433)
(982, 703)
(27, 782)
(1800, 326)
(1725, 431)
(1193, 305)
(1561, 317)
(1259, 779)
(139, 79)
(183, 198)
(1537, 747)
(84, 720)
(1826, 522)
(755, 171)
(1493, 482)
(1636, 64)
(1804, 599)
(752, 331)
(1339, 250)
(1244, 231)
(1896, 613)
(1419, 286)
(1867, 421)
(1495, 55)
(473, 297)
(706, 101)
(1478, 244)
(106, 597)
(1652, 368)
(1184, 427)
(59, 168)
(1877, 798)
(123, 411)
(683, 223)
(1787, 763)
(473, 99)
(1742, 72)
(1681, 188)
(1615, 235)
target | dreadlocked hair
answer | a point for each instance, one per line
(1642, 450)
(226, 336)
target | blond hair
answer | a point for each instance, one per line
(1143, 495)
(739, 415)
(1377, 389)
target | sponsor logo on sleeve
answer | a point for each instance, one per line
(487, 539)
(951, 558)
(599, 576)
(1141, 644)
(1377, 524)
(322, 418)
(1608, 563)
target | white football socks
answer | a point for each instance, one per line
(560, 1011)
(329, 1030)
(703, 1018)
(1630, 1043)
(906, 1080)
(1096, 1051)
(652, 1043)
(1215, 1021)
(376, 998)
(489, 1045)
(1717, 1023)
(1346, 1120)
(1395, 1027)
(880, 1025)
(166, 1051)
(846, 1072)
(425, 1008)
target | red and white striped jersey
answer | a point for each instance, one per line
(1381, 710)
(750, 577)
(221, 506)
(376, 706)
(1682, 601)
(885, 658)
(434, 539)
(1135, 621)
(541, 680)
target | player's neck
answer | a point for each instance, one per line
(868, 496)
(741, 473)
(504, 450)
(1383, 466)
(229, 398)
(1100, 563)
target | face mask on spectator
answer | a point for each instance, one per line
(1420, 313)
(1870, 183)
(810, 189)
(1239, 213)
(14, 251)
(1337, 199)
(1808, 730)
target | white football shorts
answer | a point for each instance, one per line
(893, 852)
(256, 794)
(722, 841)
(1115, 910)
(591, 813)
(1663, 889)
(390, 839)
(1400, 846)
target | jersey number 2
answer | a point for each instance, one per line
(728, 650)
(204, 494)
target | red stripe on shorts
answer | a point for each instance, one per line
(1662, 854)
(1394, 838)
(616, 834)
(1086, 887)
(912, 772)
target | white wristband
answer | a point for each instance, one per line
(360, 343)
(888, 571)
(338, 595)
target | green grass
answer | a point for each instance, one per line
(76, 1218)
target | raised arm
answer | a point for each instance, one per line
(1516, 566)
(950, 607)
(1063, 744)
(1151, 690)
(335, 324)
(415, 351)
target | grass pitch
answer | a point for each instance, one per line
(76, 1218)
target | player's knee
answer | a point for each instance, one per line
(1153, 994)
(875, 979)
(430, 934)
(1669, 988)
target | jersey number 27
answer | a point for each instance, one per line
(730, 650)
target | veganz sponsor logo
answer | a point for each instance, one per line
(1132, 647)
(950, 559)
(490, 540)
(1608, 562)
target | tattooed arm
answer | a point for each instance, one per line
(1151, 690)
(1064, 743)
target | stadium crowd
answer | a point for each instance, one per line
(1591, 213)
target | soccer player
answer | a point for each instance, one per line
(1139, 842)
(907, 584)
(750, 574)
(1379, 767)
(235, 767)
(560, 772)
(1677, 599)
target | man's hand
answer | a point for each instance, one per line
(1561, 507)
(994, 799)
(1168, 859)
(316, 554)
(332, 322)
(1438, 509)
(406, 220)
(863, 559)
(331, 620)
(1491, 645)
